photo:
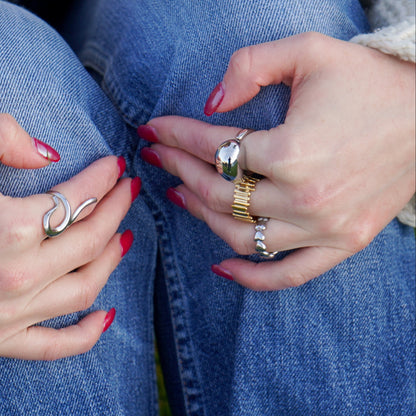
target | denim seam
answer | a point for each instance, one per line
(186, 362)
(93, 57)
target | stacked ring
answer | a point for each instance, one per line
(226, 157)
(259, 238)
(242, 193)
(227, 165)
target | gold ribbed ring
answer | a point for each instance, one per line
(242, 193)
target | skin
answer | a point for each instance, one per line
(338, 170)
(36, 282)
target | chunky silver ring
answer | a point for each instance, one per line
(226, 157)
(259, 238)
(69, 218)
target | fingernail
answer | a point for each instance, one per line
(46, 151)
(109, 318)
(121, 163)
(148, 133)
(135, 186)
(220, 271)
(214, 100)
(150, 156)
(176, 197)
(126, 240)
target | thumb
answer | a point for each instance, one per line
(250, 68)
(19, 150)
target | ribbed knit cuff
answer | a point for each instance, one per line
(397, 40)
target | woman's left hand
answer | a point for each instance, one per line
(336, 172)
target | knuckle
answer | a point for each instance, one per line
(14, 280)
(208, 195)
(241, 248)
(105, 176)
(8, 127)
(9, 311)
(88, 292)
(242, 62)
(312, 42)
(287, 161)
(241, 245)
(295, 279)
(94, 243)
(17, 229)
(309, 200)
(17, 232)
(360, 236)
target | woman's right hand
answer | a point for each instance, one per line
(42, 278)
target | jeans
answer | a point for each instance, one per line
(342, 344)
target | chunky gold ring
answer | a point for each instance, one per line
(242, 193)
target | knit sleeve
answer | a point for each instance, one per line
(393, 22)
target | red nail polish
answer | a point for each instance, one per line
(150, 156)
(126, 240)
(148, 133)
(135, 186)
(220, 271)
(46, 151)
(176, 197)
(214, 100)
(121, 163)
(109, 318)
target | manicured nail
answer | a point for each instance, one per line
(136, 184)
(176, 197)
(148, 133)
(214, 100)
(150, 156)
(121, 163)
(109, 318)
(220, 271)
(46, 151)
(126, 240)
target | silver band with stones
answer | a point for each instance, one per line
(259, 238)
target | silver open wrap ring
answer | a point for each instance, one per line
(259, 238)
(226, 157)
(69, 218)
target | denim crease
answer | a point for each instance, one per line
(341, 344)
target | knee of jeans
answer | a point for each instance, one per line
(26, 38)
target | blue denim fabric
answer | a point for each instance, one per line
(343, 344)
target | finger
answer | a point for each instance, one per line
(85, 240)
(193, 136)
(77, 291)
(199, 176)
(260, 150)
(250, 68)
(239, 235)
(94, 181)
(268, 200)
(40, 343)
(19, 150)
(294, 270)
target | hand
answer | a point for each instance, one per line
(44, 278)
(337, 171)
